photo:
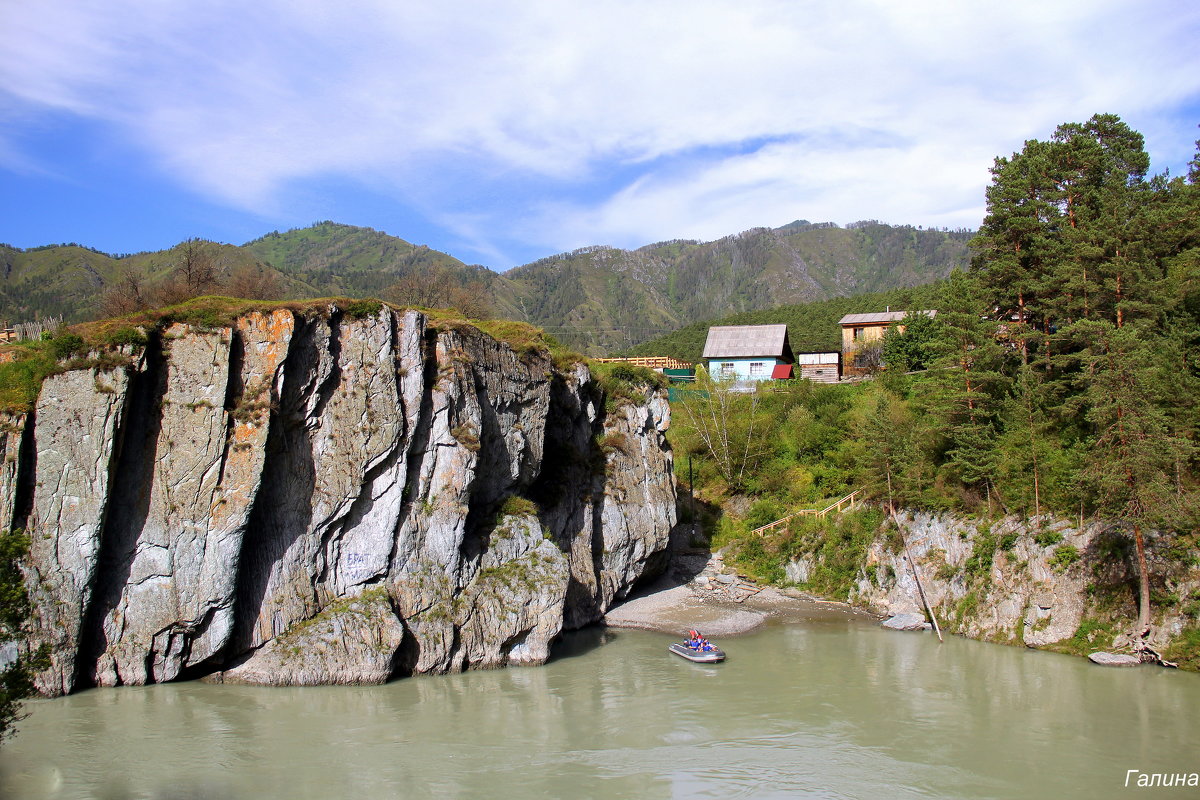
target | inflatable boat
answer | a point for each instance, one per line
(698, 649)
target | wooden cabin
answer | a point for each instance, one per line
(859, 330)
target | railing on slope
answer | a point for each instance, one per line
(836, 507)
(650, 362)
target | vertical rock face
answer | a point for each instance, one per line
(634, 500)
(330, 499)
(80, 415)
(337, 443)
(12, 430)
(174, 606)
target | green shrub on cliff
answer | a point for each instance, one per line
(1185, 649)
(1064, 556)
(624, 383)
(15, 678)
(517, 506)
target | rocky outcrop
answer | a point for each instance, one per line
(634, 500)
(1039, 583)
(353, 641)
(12, 431)
(301, 498)
(170, 598)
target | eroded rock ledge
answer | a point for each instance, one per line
(1042, 583)
(298, 499)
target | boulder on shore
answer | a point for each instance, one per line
(1114, 660)
(906, 622)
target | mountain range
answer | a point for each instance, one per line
(596, 299)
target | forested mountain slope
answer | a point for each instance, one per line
(47, 281)
(812, 327)
(356, 262)
(597, 299)
(604, 298)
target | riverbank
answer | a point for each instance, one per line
(699, 591)
(1043, 583)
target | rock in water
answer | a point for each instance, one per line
(353, 641)
(1114, 659)
(906, 622)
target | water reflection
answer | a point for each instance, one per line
(829, 708)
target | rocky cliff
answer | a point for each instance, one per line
(317, 497)
(1045, 583)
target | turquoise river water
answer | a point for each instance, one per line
(833, 708)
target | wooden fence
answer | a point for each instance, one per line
(24, 331)
(849, 502)
(650, 362)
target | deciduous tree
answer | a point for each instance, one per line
(127, 295)
(729, 425)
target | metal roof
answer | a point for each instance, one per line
(879, 318)
(747, 341)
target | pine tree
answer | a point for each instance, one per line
(1017, 244)
(892, 460)
(1065, 238)
(966, 382)
(1133, 453)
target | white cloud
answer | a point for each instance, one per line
(874, 109)
(776, 185)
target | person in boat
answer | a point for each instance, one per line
(694, 640)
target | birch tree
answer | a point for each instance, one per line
(730, 425)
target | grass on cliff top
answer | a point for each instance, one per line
(28, 364)
(210, 313)
(25, 365)
(624, 383)
(523, 338)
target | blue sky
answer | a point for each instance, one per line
(502, 132)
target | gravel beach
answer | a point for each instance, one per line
(700, 592)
